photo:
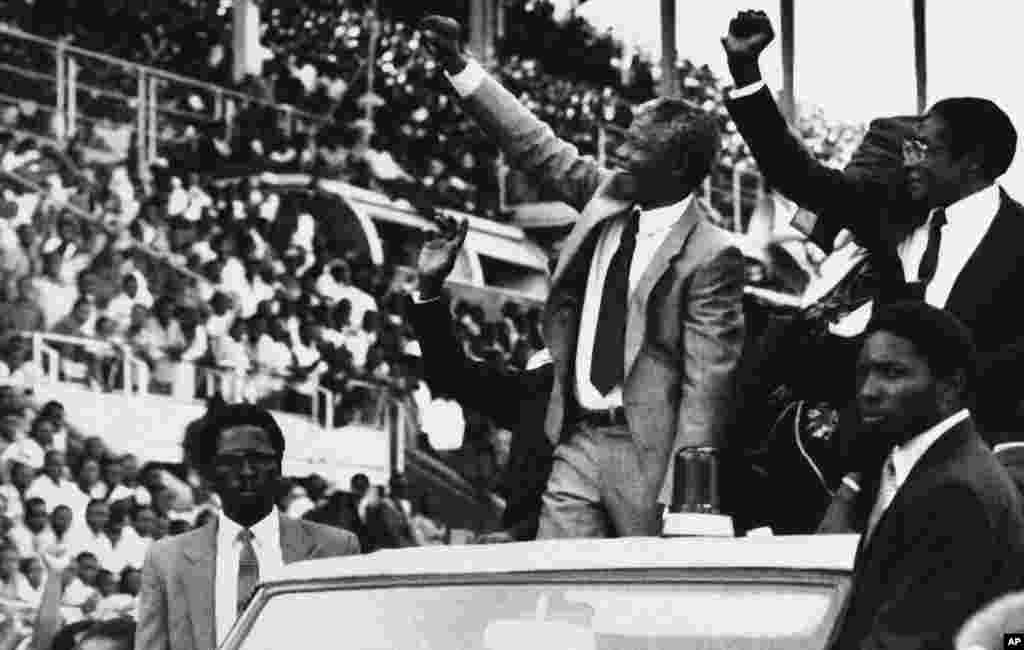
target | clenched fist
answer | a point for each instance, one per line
(750, 32)
(442, 36)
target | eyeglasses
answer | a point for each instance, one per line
(236, 461)
(916, 150)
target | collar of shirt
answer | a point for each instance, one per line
(973, 213)
(264, 531)
(906, 456)
(658, 219)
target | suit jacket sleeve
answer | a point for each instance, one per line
(532, 146)
(151, 632)
(944, 575)
(838, 201)
(713, 331)
(476, 386)
(335, 541)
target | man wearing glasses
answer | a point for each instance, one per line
(956, 233)
(194, 585)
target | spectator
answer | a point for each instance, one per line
(81, 590)
(23, 314)
(92, 537)
(89, 481)
(18, 367)
(10, 575)
(53, 488)
(60, 295)
(128, 549)
(61, 522)
(120, 307)
(34, 533)
(145, 524)
(31, 589)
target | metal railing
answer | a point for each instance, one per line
(120, 104)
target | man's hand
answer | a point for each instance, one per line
(442, 36)
(437, 257)
(750, 32)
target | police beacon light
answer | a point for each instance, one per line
(695, 509)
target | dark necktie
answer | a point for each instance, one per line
(930, 260)
(606, 365)
(248, 569)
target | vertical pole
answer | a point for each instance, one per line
(669, 77)
(72, 95)
(246, 39)
(371, 57)
(737, 199)
(920, 55)
(62, 89)
(140, 123)
(786, 24)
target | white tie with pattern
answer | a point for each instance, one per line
(886, 491)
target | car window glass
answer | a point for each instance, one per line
(656, 616)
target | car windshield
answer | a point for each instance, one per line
(567, 616)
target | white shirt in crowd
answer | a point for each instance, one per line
(130, 550)
(907, 455)
(82, 539)
(64, 492)
(267, 545)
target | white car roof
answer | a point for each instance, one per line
(799, 552)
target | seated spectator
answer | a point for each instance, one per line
(89, 481)
(17, 367)
(62, 521)
(120, 307)
(60, 295)
(128, 549)
(34, 534)
(92, 537)
(81, 590)
(23, 314)
(53, 488)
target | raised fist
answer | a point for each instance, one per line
(750, 32)
(442, 36)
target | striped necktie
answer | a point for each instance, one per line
(248, 569)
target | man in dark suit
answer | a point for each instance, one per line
(954, 230)
(516, 401)
(194, 585)
(644, 319)
(942, 520)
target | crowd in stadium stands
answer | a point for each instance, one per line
(316, 58)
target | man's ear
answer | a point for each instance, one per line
(953, 390)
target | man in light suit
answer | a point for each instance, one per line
(644, 319)
(194, 585)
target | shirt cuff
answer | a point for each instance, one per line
(467, 81)
(417, 298)
(746, 91)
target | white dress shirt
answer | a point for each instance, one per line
(907, 455)
(654, 228)
(266, 542)
(967, 221)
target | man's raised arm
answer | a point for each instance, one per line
(529, 143)
(786, 164)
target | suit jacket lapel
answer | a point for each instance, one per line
(200, 582)
(296, 543)
(941, 450)
(596, 211)
(636, 321)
